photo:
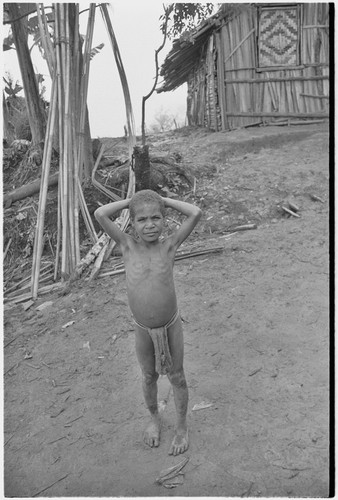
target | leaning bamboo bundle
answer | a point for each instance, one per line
(73, 85)
(68, 108)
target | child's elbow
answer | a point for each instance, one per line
(198, 212)
(98, 213)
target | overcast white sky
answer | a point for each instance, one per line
(136, 25)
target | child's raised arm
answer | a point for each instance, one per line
(103, 214)
(193, 214)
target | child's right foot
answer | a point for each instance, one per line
(151, 435)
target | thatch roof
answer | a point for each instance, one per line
(186, 50)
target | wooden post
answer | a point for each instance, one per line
(142, 167)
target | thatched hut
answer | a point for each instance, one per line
(254, 63)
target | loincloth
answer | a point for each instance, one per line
(159, 336)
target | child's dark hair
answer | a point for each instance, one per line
(145, 196)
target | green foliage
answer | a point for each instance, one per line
(8, 43)
(96, 50)
(17, 114)
(185, 16)
(10, 89)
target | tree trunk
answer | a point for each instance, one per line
(36, 115)
(142, 167)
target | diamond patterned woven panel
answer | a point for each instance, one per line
(278, 37)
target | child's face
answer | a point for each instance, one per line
(148, 222)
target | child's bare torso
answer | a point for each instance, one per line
(150, 282)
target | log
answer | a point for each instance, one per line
(28, 190)
(98, 262)
(88, 259)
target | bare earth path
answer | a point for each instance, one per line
(256, 346)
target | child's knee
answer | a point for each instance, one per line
(150, 378)
(177, 379)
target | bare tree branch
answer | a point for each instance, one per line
(167, 12)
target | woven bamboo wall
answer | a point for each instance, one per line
(234, 92)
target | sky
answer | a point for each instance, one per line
(136, 26)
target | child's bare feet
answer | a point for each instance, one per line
(180, 442)
(151, 435)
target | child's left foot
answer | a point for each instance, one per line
(180, 442)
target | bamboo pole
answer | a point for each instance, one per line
(86, 217)
(83, 86)
(59, 26)
(60, 124)
(45, 39)
(129, 111)
(7, 248)
(70, 158)
(311, 26)
(271, 79)
(75, 86)
(278, 115)
(261, 70)
(38, 241)
(290, 122)
(118, 60)
(315, 96)
(58, 237)
(221, 76)
(239, 45)
(42, 291)
(97, 184)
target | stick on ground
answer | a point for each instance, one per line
(290, 212)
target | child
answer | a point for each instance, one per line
(152, 299)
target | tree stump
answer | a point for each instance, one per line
(142, 167)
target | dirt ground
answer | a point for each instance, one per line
(256, 344)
